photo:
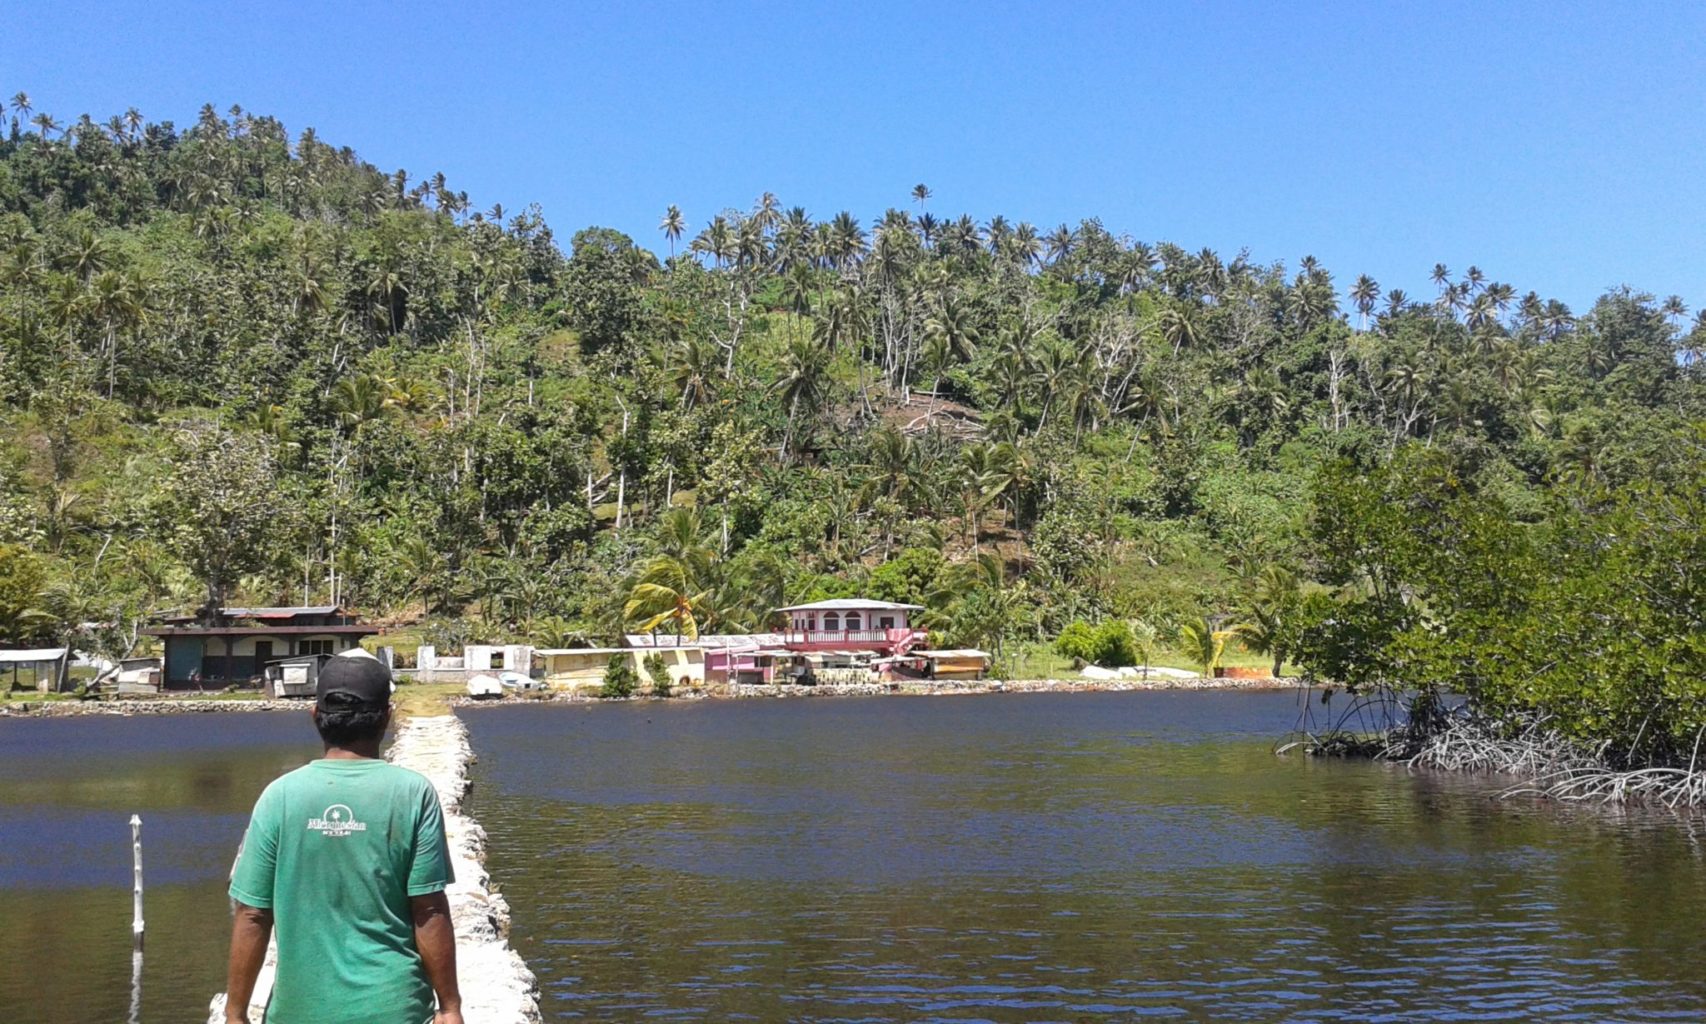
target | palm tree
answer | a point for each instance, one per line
(768, 213)
(20, 110)
(115, 298)
(697, 364)
(44, 123)
(920, 192)
(1027, 245)
(681, 536)
(952, 324)
(1363, 294)
(672, 225)
(1441, 276)
(848, 243)
(667, 590)
(1061, 242)
(805, 369)
(360, 398)
(1203, 644)
(88, 255)
(1395, 301)
(1178, 326)
(1674, 308)
(419, 563)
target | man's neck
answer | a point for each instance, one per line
(353, 752)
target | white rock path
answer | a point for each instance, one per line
(497, 987)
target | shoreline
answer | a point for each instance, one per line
(497, 986)
(922, 688)
(199, 704)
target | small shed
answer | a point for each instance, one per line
(48, 668)
(955, 664)
(293, 677)
(137, 676)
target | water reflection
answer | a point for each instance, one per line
(67, 790)
(1026, 858)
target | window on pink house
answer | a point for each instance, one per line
(853, 621)
(831, 622)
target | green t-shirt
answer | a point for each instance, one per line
(335, 849)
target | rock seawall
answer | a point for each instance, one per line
(126, 707)
(907, 688)
(497, 987)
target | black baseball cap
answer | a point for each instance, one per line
(346, 683)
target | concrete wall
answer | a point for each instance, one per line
(578, 669)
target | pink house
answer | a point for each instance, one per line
(852, 624)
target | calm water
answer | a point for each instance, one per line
(67, 790)
(1057, 858)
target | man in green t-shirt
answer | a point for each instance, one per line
(346, 857)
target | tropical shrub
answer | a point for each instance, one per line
(620, 679)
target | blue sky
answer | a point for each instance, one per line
(1559, 146)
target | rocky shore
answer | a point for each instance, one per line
(915, 688)
(497, 987)
(126, 706)
(911, 688)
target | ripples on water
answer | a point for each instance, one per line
(68, 787)
(1057, 858)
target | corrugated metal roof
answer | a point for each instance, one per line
(280, 612)
(35, 654)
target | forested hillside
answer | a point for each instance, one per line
(241, 365)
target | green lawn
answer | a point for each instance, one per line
(1039, 661)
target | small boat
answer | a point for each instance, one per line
(485, 687)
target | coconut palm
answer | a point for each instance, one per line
(672, 225)
(667, 591)
(847, 240)
(805, 372)
(1364, 294)
(20, 111)
(115, 299)
(1060, 243)
(1027, 245)
(920, 192)
(952, 326)
(1178, 326)
(768, 213)
(681, 536)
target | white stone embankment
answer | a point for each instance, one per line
(497, 987)
(126, 707)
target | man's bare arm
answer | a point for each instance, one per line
(250, 931)
(435, 937)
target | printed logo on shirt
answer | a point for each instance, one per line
(338, 820)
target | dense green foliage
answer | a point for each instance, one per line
(234, 365)
(1589, 611)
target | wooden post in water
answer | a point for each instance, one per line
(136, 883)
